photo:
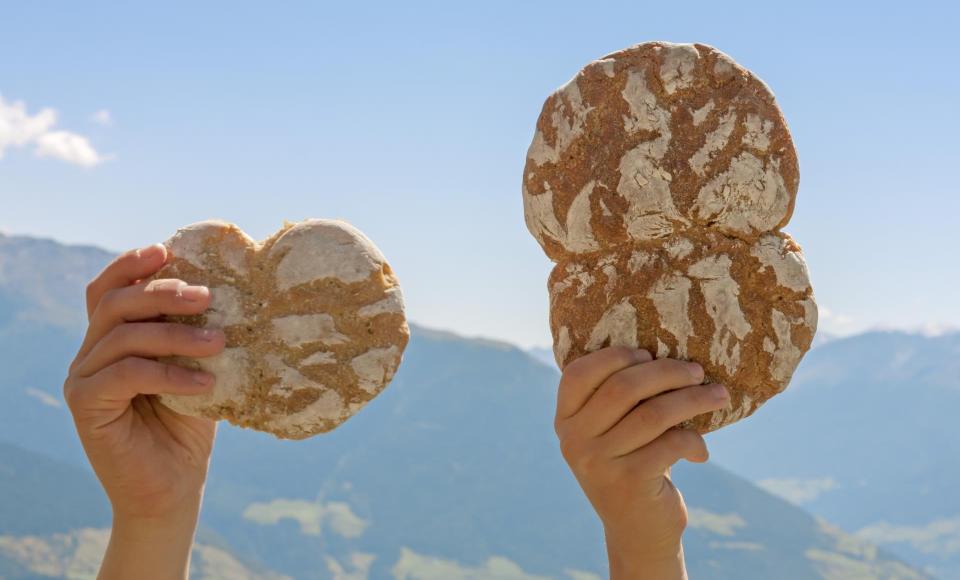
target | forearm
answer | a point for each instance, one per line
(628, 563)
(152, 548)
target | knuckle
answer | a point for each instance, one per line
(627, 356)
(169, 373)
(73, 397)
(683, 519)
(108, 301)
(585, 462)
(575, 372)
(620, 387)
(558, 427)
(571, 448)
(70, 394)
(126, 368)
(121, 333)
(651, 413)
(619, 353)
(175, 333)
(91, 288)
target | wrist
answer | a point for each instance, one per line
(167, 514)
(155, 527)
(155, 546)
(633, 557)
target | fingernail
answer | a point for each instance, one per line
(696, 371)
(206, 334)
(718, 392)
(150, 252)
(194, 293)
(202, 378)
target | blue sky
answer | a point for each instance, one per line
(412, 120)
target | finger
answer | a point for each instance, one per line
(151, 339)
(143, 301)
(123, 380)
(656, 458)
(653, 417)
(126, 269)
(583, 376)
(624, 389)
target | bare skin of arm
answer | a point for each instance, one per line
(151, 461)
(617, 411)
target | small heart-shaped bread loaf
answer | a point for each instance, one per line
(658, 180)
(313, 318)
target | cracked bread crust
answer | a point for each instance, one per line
(653, 140)
(313, 317)
(745, 311)
(658, 180)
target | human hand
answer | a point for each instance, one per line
(617, 410)
(151, 461)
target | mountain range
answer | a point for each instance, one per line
(453, 472)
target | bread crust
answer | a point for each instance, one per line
(658, 181)
(314, 323)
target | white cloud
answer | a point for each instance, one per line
(414, 566)
(743, 546)
(312, 516)
(359, 562)
(837, 324)
(44, 397)
(798, 491)
(720, 524)
(102, 117)
(833, 325)
(68, 147)
(20, 129)
(573, 574)
(940, 537)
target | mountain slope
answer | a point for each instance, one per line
(55, 520)
(457, 460)
(452, 472)
(866, 438)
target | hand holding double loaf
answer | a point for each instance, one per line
(617, 409)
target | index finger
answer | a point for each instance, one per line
(124, 270)
(582, 377)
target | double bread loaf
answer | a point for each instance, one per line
(658, 181)
(313, 318)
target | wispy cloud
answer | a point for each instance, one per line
(798, 491)
(358, 567)
(940, 537)
(836, 323)
(312, 516)
(720, 524)
(44, 397)
(414, 566)
(102, 117)
(18, 128)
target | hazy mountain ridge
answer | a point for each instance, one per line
(359, 502)
(55, 520)
(866, 437)
(43, 281)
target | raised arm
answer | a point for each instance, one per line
(617, 410)
(151, 461)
